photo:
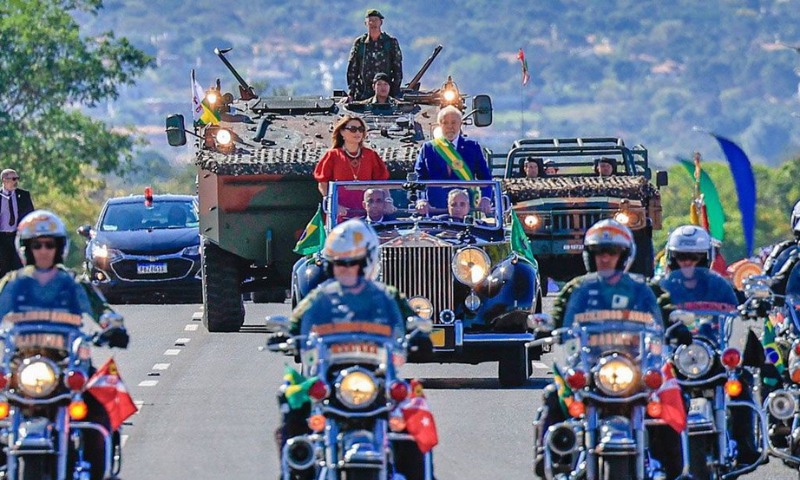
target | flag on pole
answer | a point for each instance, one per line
(772, 354)
(107, 387)
(525, 75)
(202, 113)
(296, 387)
(520, 243)
(713, 205)
(563, 390)
(672, 407)
(313, 238)
(419, 419)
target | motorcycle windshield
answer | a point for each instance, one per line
(634, 339)
(350, 347)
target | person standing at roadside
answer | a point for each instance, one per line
(372, 53)
(15, 203)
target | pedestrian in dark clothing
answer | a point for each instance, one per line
(15, 203)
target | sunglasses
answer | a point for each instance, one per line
(682, 256)
(12, 178)
(40, 245)
(355, 129)
(346, 263)
(606, 249)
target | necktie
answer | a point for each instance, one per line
(12, 219)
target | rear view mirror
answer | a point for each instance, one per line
(85, 231)
(277, 324)
(662, 178)
(176, 131)
(482, 106)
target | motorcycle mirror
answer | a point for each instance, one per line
(277, 323)
(682, 316)
(111, 320)
(541, 322)
(757, 286)
(424, 325)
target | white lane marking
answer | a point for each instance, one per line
(183, 340)
(172, 351)
(191, 328)
(139, 404)
(197, 316)
(540, 365)
(161, 366)
(123, 440)
(148, 383)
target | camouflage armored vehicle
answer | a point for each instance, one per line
(255, 185)
(556, 208)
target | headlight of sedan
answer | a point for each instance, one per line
(357, 389)
(471, 266)
(192, 251)
(615, 376)
(693, 360)
(37, 377)
(103, 252)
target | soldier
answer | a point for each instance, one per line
(373, 53)
(381, 87)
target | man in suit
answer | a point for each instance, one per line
(452, 157)
(15, 203)
(378, 205)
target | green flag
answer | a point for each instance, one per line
(296, 387)
(564, 392)
(313, 237)
(771, 351)
(519, 241)
(716, 215)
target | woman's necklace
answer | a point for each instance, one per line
(355, 161)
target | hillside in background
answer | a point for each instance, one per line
(647, 71)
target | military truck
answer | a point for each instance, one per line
(556, 208)
(254, 177)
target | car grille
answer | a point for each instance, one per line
(422, 271)
(575, 221)
(176, 268)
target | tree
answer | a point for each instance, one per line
(47, 72)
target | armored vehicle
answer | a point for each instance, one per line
(255, 185)
(570, 194)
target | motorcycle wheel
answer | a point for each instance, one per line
(33, 467)
(616, 468)
(698, 461)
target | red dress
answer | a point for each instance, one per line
(335, 165)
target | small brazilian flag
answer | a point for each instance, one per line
(771, 352)
(520, 243)
(313, 238)
(297, 386)
(564, 392)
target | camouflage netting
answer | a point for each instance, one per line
(293, 161)
(522, 189)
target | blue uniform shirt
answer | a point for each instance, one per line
(710, 288)
(595, 294)
(23, 293)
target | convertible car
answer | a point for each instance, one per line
(453, 261)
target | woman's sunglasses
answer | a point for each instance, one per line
(346, 263)
(355, 129)
(40, 245)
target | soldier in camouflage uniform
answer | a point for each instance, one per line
(373, 53)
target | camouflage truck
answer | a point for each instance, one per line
(254, 177)
(557, 208)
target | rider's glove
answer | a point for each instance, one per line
(114, 337)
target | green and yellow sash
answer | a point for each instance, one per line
(447, 150)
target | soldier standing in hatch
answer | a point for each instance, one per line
(373, 53)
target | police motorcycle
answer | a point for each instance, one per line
(708, 370)
(46, 367)
(356, 420)
(613, 368)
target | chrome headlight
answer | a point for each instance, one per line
(471, 266)
(694, 360)
(615, 376)
(37, 377)
(357, 389)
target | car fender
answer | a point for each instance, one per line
(307, 274)
(509, 294)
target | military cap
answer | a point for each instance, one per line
(373, 13)
(381, 76)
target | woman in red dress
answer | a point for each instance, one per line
(349, 159)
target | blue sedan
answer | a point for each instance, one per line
(146, 249)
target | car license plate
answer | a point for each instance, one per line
(151, 268)
(437, 337)
(698, 406)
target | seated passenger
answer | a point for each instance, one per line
(550, 168)
(531, 167)
(378, 205)
(605, 166)
(457, 206)
(176, 217)
(380, 83)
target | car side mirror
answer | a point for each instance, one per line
(176, 130)
(482, 106)
(662, 178)
(277, 324)
(85, 231)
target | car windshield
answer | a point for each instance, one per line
(120, 217)
(394, 202)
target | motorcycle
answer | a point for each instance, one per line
(356, 421)
(46, 366)
(613, 370)
(709, 372)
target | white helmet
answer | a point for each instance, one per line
(689, 239)
(609, 233)
(351, 241)
(42, 223)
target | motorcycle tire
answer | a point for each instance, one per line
(33, 467)
(616, 468)
(698, 461)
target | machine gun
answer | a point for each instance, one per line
(246, 92)
(413, 85)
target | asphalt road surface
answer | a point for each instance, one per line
(208, 410)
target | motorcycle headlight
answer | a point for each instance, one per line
(357, 389)
(615, 376)
(471, 266)
(37, 377)
(693, 360)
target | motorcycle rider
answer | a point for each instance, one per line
(45, 284)
(692, 285)
(350, 295)
(784, 256)
(609, 251)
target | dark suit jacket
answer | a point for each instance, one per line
(431, 166)
(24, 203)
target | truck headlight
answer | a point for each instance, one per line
(532, 222)
(471, 266)
(615, 376)
(37, 378)
(357, 389)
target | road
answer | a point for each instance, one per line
(208, 406)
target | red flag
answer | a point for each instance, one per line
(107, 387)
(419, 419)
(525, 75)
(672, 407)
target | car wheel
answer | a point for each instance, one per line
(513, 368)
(223, 309)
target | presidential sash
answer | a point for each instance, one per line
(447, 151)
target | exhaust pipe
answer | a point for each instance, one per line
(299, 453)
(561, 439)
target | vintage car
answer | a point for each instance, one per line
(460, 272)
(145, 248)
